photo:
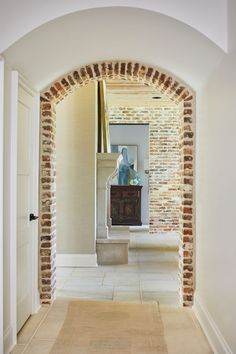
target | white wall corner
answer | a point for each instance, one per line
(9, 341)
(210, 328)
(1, 197)
(76, 260)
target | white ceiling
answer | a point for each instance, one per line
(18, 18)
(110, 34)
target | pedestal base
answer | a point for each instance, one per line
(112, 251)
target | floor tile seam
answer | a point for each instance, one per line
(113, 293)
(140, 292)
(104, 274)
(36, 329)
(43, 339)
(64, 284)
(195, 320)
(72, 271)
(37, 340)
(84, 290)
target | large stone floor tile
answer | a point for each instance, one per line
(159, 285)
(128, 288)
(156, 276)
(39, 347)
(120, 282)
(61, 281)
(180, 320)
(105, 293)
(64, 271)
(189, 343)
(31, 325)
(166, 298)
(88, 272)
(127, 296)
(18, 349)
(74, 283)
(49, 329)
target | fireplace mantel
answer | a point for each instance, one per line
(106, 168)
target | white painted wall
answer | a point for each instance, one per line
(206, 16)
(135, 135)
(216, 195)
(76, 172)
(86, 37)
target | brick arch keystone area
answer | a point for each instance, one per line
(173, 88)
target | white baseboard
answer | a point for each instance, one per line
(76, 260)
(210, 328)
(8, 340)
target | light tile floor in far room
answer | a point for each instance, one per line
(151, 275)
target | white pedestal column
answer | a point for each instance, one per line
(106, 167)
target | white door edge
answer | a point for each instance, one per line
(35, 202)
(16, 81)
(13, 203)
(1, 198)
(26, 85)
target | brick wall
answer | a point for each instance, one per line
(187, 235)
(177, 92)
(164, 159)
(48, 202)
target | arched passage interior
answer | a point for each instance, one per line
(177, 92)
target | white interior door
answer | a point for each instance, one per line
(24, 206)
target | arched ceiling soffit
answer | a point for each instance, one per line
(119, 33)
(19, 18)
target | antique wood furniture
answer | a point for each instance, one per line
(126, 205)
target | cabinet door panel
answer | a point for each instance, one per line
(126, 205)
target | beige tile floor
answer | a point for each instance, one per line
(151, 275)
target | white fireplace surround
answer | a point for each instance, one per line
(107, 164)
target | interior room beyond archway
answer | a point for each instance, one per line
(183, 98)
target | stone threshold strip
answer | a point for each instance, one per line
(175, 90)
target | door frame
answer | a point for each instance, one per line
(1, 196)
(16, 82)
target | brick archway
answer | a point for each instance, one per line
(178, 92)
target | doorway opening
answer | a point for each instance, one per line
(134, 138)
(182, 97)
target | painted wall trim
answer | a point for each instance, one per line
(8, 340)
(1, 197)
(13, 203)
(210, 328)
(27, 86)
(16, 81)
(76, 260)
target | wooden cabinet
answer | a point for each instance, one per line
(126, 205)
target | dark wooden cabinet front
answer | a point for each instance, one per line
(126, 205)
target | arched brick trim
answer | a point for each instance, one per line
(178, 92)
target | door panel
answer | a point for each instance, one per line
(24, 192)
(125, 205)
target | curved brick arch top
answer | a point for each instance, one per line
(175, 90)
(166, 83)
